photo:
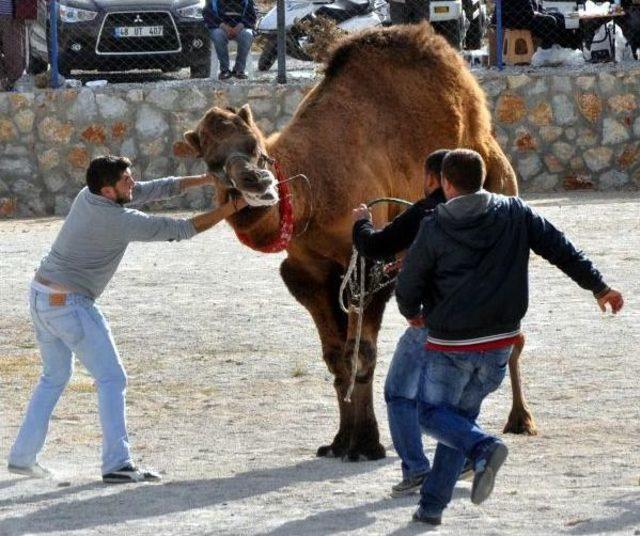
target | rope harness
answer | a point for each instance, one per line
(362, 291)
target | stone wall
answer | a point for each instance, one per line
(561, 130)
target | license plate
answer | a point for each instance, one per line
(441, 9)
(139, 31)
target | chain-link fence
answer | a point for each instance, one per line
(139, 41)
(551, 32)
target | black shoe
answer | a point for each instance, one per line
(408, 486)
(486, 468)
(421, 515)
(130, 474)
(240, 75)
(225, 75)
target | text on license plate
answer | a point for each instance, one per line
(139, 31)
(441, 9)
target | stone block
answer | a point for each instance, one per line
(563, 151)
(529, 166)
(112, 108)
(613, 179)
(541, 114)
(94, 134)
(84, 108)
(24, 120)
(150, 123)
(53, 131)
(550, 134)
(613, 132)
(598, 158)
(163, 98)
(510, 109)
(8, 207)
(78, 157)
(564, 111)
(8, 131)
(48, 159)
(623, 103)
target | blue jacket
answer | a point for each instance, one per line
(467, 270)
(230, 12)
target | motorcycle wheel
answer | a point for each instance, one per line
(268, 55)
(269, 52)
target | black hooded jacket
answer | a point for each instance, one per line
(467, 270)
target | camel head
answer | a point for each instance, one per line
(233, 148)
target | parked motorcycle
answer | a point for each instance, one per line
(349, 16)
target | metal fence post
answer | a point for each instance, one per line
(53, 42)
(282, 44)
(499, 31)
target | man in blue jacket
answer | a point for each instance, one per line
(227, 20)
(467, 273)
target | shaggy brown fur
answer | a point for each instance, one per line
(390, 97)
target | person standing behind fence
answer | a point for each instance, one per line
(80, 264)
(408, 11)
(227, 20)
(528, 15)
(13, 14)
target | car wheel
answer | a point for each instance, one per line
(201, 70)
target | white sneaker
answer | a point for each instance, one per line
(34, 471)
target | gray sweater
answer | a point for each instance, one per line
(96, 232)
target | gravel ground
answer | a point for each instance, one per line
(229, 398)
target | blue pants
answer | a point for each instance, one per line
(401, 393)
(221, 44)
(454, 384)
(79, 328)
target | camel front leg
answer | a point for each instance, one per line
(520, 419)
(315, 284)
(365, 439)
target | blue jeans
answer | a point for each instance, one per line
(79, 328)
(401, 393)
(221, 44)
(454, 384)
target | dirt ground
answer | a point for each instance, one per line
(229, 398)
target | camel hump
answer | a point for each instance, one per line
(414, 44)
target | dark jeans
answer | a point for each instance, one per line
(12, 62)
(454, 384)
(409, 11)
(401, 394)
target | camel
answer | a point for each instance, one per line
(389, 97)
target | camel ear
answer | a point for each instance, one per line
(193, 139)
(246, 115)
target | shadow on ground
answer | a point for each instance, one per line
(148, 500)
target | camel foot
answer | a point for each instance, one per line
(521, 422)
(365, 453)
(330, 451)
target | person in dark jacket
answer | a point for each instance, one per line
(231, 20)
(13, 15)
(467, 273)
(401, 386)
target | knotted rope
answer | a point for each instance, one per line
(379, 278)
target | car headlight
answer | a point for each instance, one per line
(193, 11)
(73, 14)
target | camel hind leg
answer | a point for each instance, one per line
(501, 178)
(520, 419)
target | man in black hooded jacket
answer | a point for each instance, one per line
(467, 273)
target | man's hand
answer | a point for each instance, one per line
(614, 299)
(416, 321)
(227, 29)
(237, 29)
(361, 213)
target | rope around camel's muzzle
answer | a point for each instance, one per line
(361, 305)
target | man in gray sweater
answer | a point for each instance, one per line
(80, 264)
